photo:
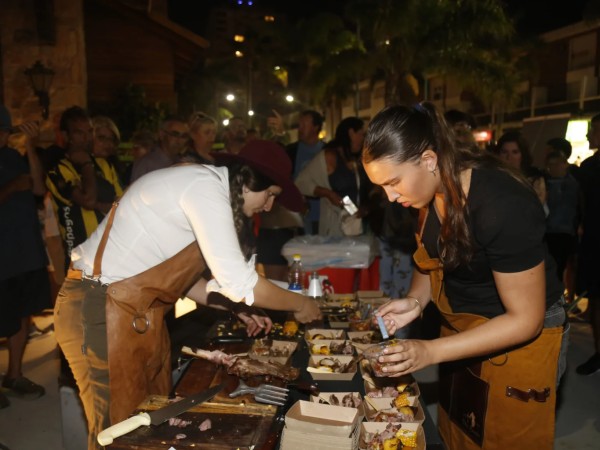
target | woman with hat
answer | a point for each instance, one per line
(154, 247)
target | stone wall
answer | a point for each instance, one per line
(21, 45)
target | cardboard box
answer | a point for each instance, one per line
(378, 427)
(294, 440)
(315, 346)
(328, 334)
(342, 298)
(330, 376)
(338, 320)
(278, 347)
(326, 396)
(361, 334)
(370, 294)
(372, 406)
(381, 383)
(316, 418)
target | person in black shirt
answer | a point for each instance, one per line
(483, 262)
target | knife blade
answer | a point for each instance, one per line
(106, 437)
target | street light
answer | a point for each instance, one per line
(289, 98)
(230, 97)
(250, 112)
(40, 78)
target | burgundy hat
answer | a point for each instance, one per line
(271, 160)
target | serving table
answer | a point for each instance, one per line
(238, 423)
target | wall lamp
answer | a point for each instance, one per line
(40, 78)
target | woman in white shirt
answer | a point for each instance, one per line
(169, 227)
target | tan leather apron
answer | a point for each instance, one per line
(139, 349)
(501, 401)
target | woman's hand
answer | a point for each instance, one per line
(406, 357)
(308, 312)
(398, 313)
(256, 321)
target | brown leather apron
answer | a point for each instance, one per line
(139, 349)
(500, 401)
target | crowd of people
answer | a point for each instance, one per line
(491, 225)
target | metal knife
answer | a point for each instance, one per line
(157, 417)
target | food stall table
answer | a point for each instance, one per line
(238, 423)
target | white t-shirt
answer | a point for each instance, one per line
(161, 214)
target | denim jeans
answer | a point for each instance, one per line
(556, 317)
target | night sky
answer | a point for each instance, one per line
(531, 16)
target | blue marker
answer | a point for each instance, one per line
(384, 332)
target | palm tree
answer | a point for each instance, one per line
(470, 40)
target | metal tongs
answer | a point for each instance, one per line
(264, 393)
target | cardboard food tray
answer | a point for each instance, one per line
(372, 406)
(383, 402)
(327, 343)
(330, 376)
(373, 382)
(328, 334)
(338, 320)
(332, 298)
(294, 440)
(374, 427)
(291, 345)
(360, 347)
(315, 418)
(340, 395)
(375, 302)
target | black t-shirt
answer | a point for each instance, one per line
(507, 224)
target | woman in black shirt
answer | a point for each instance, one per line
(483, 262)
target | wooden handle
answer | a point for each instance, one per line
(107, 436)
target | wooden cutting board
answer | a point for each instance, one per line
(233, 426)
(238, 423)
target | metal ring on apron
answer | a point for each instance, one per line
(145, 323)
(490, 359)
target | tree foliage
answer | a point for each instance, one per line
(471, 40)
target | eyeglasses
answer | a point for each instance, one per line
(177, 134)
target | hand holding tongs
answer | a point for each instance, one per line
(264, 393)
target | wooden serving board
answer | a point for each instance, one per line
(237, 423)
(233, 426)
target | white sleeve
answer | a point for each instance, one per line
(207, 207)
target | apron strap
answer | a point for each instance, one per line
(100, 250)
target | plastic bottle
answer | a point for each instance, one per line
(296, 275)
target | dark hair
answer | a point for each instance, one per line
(556, 154)
(70, 115)
(562, 145)
(401, 134)
(454, 116)
(317, 118)
(342, 135)
(241, 175)
(517, 138)
(172, 118)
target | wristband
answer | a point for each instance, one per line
(416, 300)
